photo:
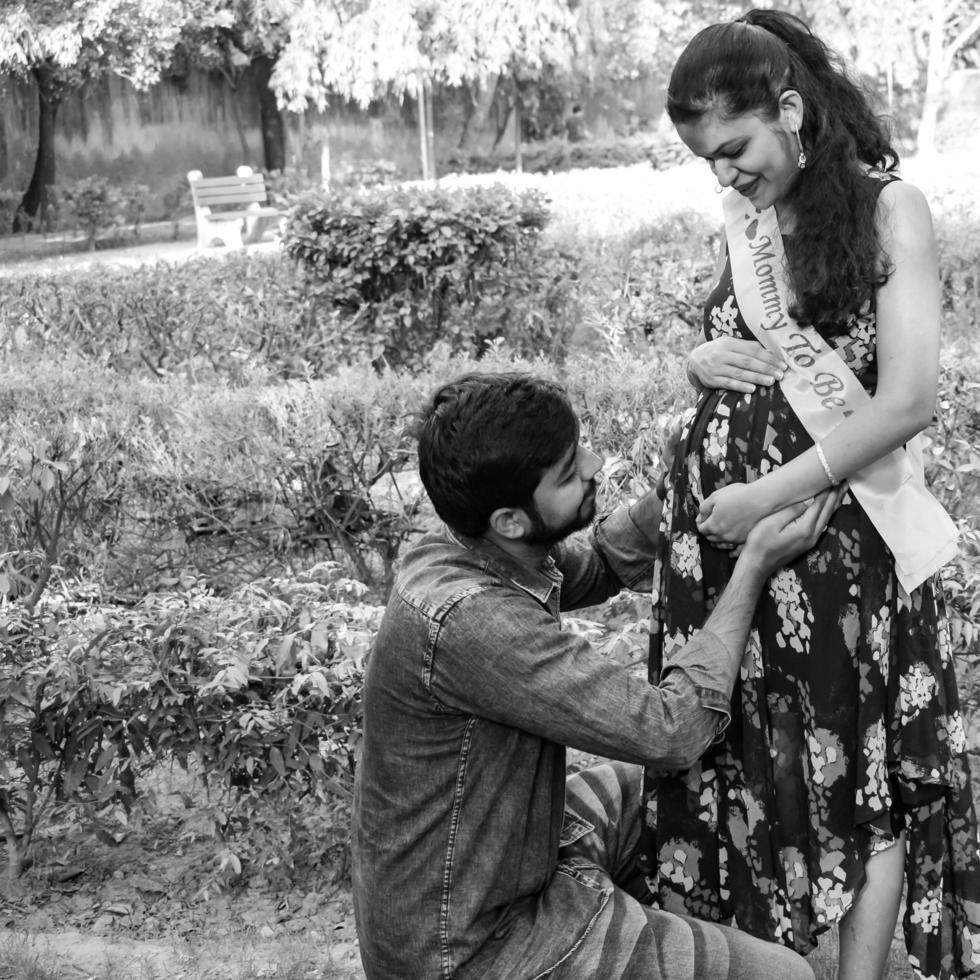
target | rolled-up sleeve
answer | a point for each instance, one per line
(707, 666)
(627, 539)
(619, 551)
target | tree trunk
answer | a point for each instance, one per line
(273, 121)
(423, 129)
(518, 156)
(35, 204)
(430, 131)
(4, 150)
(469, 112)
(925, 138)
(479, 104)
(233, 77)
(502, 105)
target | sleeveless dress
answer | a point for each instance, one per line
(845, 722)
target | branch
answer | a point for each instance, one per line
(961, 40)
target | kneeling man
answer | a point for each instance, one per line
(473, 856)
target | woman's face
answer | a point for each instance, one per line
(756, 157)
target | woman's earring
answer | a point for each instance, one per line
(719, 189)
(801, 159)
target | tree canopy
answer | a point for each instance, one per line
(61, 44)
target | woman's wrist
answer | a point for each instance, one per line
(765, 499)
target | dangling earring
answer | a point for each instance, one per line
(719, 189)
(801, 159)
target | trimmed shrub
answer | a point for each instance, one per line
(205, 320)
(412, 268)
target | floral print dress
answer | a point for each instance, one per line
(845, 723)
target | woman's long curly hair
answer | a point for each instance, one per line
(834, 256)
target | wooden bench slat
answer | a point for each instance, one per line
(233, 183)
(230, 196)
(253, 178)
(247, 213)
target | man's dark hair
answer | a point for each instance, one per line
(486, 439)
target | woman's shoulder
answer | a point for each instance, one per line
(894, 192)
(902, 210)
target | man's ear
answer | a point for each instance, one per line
(510, 522)
(791, 110)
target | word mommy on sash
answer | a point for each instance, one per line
(795, 346)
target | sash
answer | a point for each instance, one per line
(822, 391)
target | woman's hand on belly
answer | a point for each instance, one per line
(727, 515)
(734, 364)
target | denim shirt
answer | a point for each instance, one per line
(471, 693)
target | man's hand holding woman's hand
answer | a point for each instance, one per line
(777, 539)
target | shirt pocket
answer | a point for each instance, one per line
(573, 829)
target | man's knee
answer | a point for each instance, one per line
(609, 792)
(755, 959)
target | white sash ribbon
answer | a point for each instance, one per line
(822, 391)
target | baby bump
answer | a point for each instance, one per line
(736, 438)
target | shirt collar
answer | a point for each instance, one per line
(539, 582)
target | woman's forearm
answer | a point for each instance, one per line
(873, 431)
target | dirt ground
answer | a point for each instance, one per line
(143, 902)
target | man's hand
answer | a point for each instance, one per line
(779, 538)
(771, 544)
(735, 364)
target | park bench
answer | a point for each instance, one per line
(233, 210)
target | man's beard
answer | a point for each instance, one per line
(542, 533)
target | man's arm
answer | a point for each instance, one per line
(771, 544)
(530, 675)
(617, 553)
(622, 547)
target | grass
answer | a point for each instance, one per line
(32, 957)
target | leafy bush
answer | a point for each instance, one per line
(9, 209)
(63, 472)
(134, 200)
(414, 267)
(176, 202)
(201, 320)
(261, 688)
(282, 474)
(958, 241)
(93, 203)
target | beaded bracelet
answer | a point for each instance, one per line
(826, 466)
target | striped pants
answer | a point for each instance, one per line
(630, 940)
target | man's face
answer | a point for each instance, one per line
(564, 500)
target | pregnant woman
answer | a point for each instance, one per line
(843, 774)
